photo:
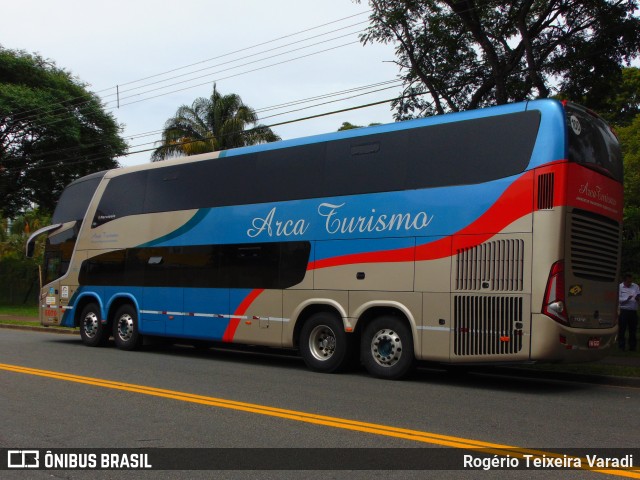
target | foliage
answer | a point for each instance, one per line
(19, 281)
(630, 141)
(19, 277)
(52, 131)
(629, 137)
(464, 54)
(211, 124)
(621, 104)
(350, 126)
(13, 235)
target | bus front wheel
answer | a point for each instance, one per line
(125, 328)
(386, 348)
(92, 332)
(324, 344)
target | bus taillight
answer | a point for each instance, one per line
(554, 304)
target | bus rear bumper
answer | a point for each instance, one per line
(554, 342)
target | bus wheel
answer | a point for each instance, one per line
(386, 348)
(324, 345)
(92, 332)
(125, 328)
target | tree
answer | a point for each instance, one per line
(630, 140)
(52, 131)
(463, 54)
(211, 124)
(629, 137)
(351, 126)
(18, 274)
(620, 104)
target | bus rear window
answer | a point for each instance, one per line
(592, 143)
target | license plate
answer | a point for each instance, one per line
(594, 342)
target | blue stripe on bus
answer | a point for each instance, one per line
(433, 212)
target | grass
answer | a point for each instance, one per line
(19, 310)
(20, 315)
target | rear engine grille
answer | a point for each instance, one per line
(595, 246)
(496, 266)
(487, 325)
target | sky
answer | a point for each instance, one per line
(246, 47)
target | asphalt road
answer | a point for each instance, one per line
(239, 393)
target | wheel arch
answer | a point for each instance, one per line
(82, 301)
(366, 313)
(118, 300)
(310, 308)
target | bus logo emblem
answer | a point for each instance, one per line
(575, 125)
(575, 290)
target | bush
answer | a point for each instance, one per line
(19, 282)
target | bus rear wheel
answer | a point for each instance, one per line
(92, 332)
(324, 344)
(125, 328)
(386, 348)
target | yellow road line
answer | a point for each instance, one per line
(335, 422)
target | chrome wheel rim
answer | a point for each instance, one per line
(125, 327)
(386, 347)
(322, 342)
(90, 325)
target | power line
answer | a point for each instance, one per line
(242, 73)
(388, 84)
(245, 49)
(310, 117)
(61, 118)
(291, 103)
(90, 158)
(62, 115)
(245, 57)
(30, 113)
(234, 67)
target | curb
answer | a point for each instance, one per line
(36, 328)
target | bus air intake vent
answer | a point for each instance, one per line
(486, 325)
(595, 246)
(545, 191)
(491, 266)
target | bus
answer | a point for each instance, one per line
(479, 237)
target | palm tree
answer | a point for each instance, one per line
(211, 124)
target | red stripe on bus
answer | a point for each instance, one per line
(506, 210)
(230, 331)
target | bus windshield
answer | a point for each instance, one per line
(75, 199)
(592, 143)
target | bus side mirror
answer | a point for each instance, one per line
(31, 242)
(31, 246)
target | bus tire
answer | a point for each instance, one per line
(324, 345)
(92, 332)
(125, 328)
(386, 348)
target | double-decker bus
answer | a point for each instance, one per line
(484, 236)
